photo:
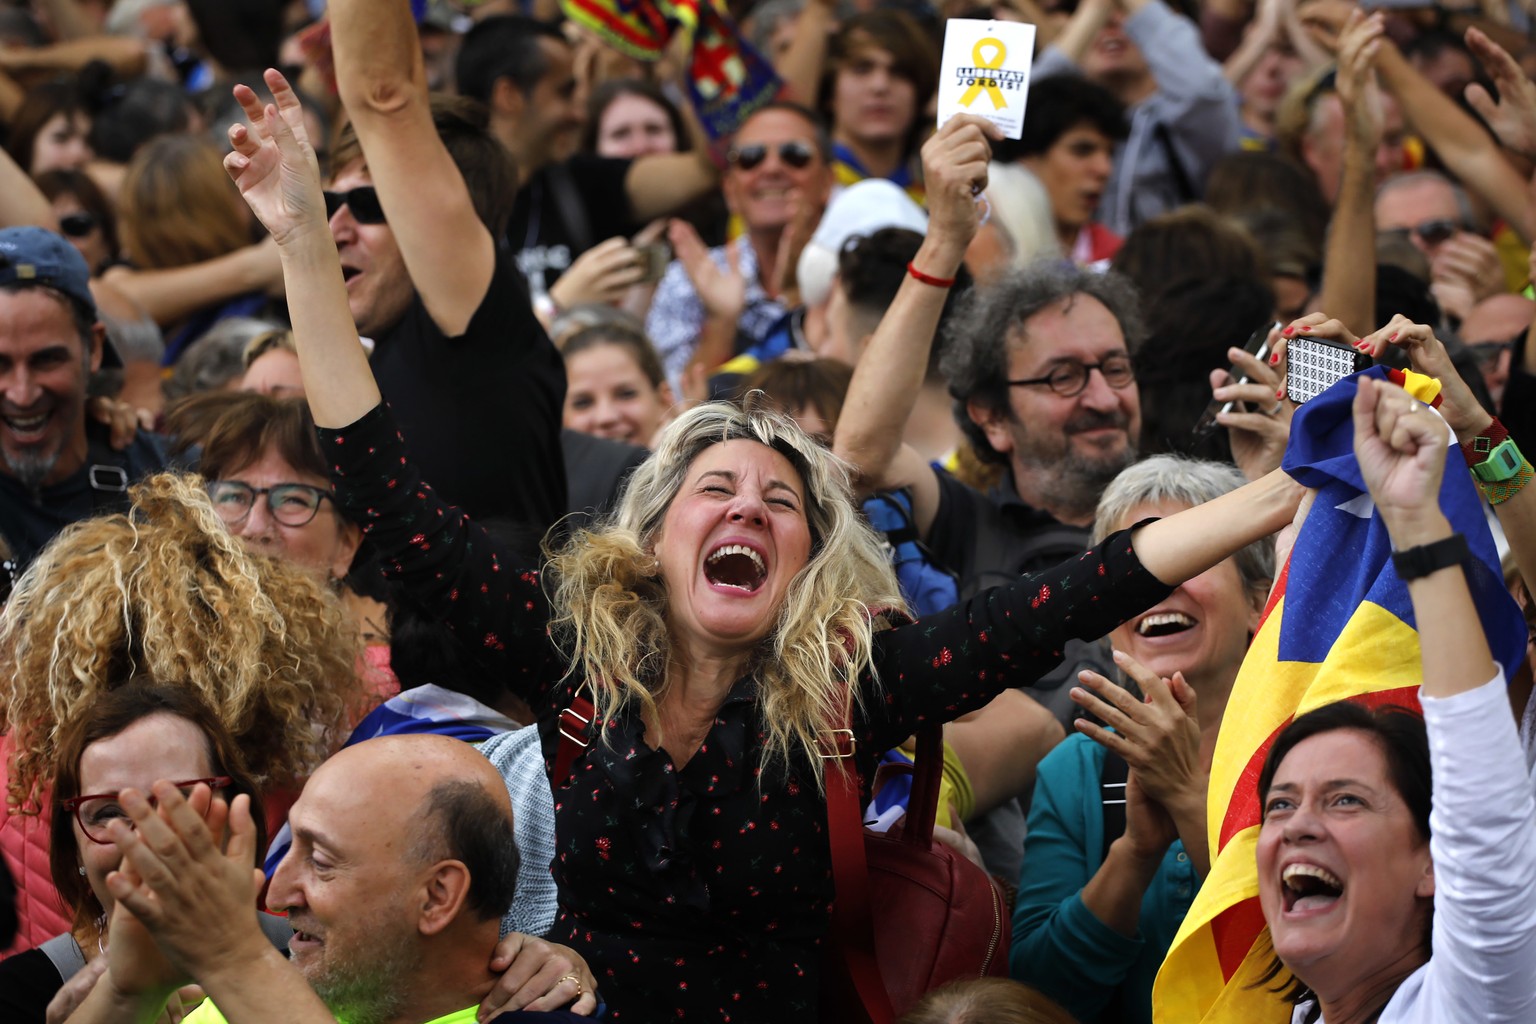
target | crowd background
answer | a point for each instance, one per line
(1016, 350)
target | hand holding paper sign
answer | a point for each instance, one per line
(986, 71)
(954, 173)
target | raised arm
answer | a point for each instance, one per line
(1468, 150)
(802, 63)
(1483, 838)
(1401, 449)
(380, 73)
(890, 371)
(21, 201)
(1349, 264)
(1183, 546)
(275, 168)
(1427, 355)
(435, 550)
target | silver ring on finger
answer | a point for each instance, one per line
(1276, 410)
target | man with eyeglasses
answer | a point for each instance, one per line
(420, 194)
(1434, 214)
(778, 168)
(57, 464)
(1041, 378)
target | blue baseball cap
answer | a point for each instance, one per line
(32, 255)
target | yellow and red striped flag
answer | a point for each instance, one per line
(1338, 626)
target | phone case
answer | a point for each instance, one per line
(1313, 365)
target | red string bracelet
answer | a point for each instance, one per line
(937, 282)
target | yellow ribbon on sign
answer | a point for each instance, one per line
(999, 54)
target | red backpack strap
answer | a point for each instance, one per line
(576, 733)
(927, 774)
(852, 925)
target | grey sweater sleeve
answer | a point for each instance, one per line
(520, 760)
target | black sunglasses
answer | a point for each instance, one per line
(77, 225)
(1430, 232)
(795, 154)
(363, 201)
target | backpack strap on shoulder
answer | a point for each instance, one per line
(576, 732)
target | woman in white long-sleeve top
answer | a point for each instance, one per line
(1386, 904)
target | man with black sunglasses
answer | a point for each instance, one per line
(420, 194)
(1494, 332)
(778, 169)
(1436, 217)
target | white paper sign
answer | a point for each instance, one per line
(986, 71)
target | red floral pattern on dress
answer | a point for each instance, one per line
(701, 894)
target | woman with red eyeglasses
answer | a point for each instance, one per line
(128, 738)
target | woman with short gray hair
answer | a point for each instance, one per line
(1109, 873)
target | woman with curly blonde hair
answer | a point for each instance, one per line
(724, 621)
(165, 593)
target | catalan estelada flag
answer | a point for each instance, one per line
(727, 79)
(1339, 625)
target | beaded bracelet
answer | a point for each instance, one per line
(1499, 491)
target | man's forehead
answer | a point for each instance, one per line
(775, 126)
(352, 175)
(1424, 196)
(38, 313)
(1069, 328)
(1498, 319)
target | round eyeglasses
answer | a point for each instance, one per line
(289, 504)
(1069, 379)
(98, 810)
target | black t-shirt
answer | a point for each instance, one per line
(564, 210)
(481, 412)
(29, 521)
(989, 539)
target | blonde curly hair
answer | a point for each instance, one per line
(611, 607)
(165, 592)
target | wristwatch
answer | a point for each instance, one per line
(1502, 463)
(1413, 563)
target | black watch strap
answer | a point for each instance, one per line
(1414, 563)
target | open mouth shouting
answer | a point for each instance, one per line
(29, 428)
(736, 566)
(1161, 624)
(1306, 890)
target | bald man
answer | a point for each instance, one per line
(401, 867)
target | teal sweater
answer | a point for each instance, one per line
(1059, 947)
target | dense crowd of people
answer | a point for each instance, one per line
(480, 481)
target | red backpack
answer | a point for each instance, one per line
(939, 918)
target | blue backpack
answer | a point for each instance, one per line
(927, 585)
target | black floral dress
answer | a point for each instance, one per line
(702, 894)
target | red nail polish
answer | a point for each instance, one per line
(1305, 327)
(1280, 393)
(1288, 331)
(1273, 359)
